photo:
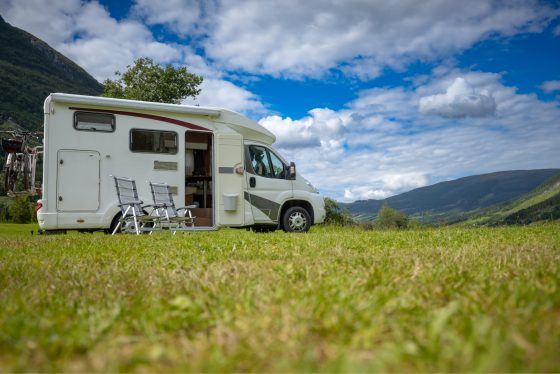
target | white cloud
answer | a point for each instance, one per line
(360, 37)
(364, 193)
(184, 17)
(323, 128)
(386, 148)
(405, 181)
(224, 94)
(550, 86)
(460, 100)
(556, 30)
(389, 184)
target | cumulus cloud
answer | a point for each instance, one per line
(364, 193)
(550, 86)
(460, 100)
(385, 148)
(294, 38)
(221, 93)
(323, 128)
(184, 17)
(389, 184)
(406, 181)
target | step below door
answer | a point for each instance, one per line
(78, 181)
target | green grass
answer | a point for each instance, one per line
(336, 299)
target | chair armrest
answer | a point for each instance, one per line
(186, 207)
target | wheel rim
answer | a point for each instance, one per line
(297, 221)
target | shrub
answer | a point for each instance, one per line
(335, 215)
(21, 210)
(389, 218)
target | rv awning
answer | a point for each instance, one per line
(133, 104)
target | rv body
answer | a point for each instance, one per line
(212, 158)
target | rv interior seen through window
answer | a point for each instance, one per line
(87, 121)
(266, 163)
(153, 141)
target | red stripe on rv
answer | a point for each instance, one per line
(174, 121)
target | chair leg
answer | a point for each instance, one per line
(116, 227)
(136, 226)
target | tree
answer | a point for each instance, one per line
(389, 218)
(147, 81)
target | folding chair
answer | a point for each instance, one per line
(165, 208)
(133, 217)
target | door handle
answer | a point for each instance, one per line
(252, 182)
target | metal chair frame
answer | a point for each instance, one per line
(132, 209)
(164, 206)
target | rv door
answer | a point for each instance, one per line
(229, 184)
(269, 184)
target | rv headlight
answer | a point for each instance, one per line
(312, 187)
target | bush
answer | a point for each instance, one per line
(21, 210)
(389, 218)
(335, 215)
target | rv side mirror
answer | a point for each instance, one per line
(292, 171)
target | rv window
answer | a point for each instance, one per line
(153, 141)
(87, 121)
(265, 163)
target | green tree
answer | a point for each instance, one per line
(146, 81)
(389, 218)
(335, 215)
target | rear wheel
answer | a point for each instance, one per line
(296, 219)
(125, 227)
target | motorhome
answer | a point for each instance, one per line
(215, 159)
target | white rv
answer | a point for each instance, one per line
(216, 159)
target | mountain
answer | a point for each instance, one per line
(29, 70)
(452, 200)
(541, 204)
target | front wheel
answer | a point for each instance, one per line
(296, 219)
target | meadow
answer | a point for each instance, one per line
(336, 299)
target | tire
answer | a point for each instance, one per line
(126, 228)
(296, 219)
(114, 224)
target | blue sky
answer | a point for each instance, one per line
(370, 98)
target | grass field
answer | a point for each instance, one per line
(336, 299)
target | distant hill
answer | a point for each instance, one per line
(452, 200)
(29, 70)
(541, 204)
